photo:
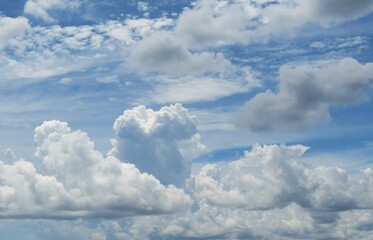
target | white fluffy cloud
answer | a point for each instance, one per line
(161, 143)
(268, 193)
(11, 28)
(79, 182)
(214, 23)
(305, 94)
(272, 176)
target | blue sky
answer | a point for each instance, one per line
(186, 119)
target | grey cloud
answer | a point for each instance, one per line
(163, 53)
(212, 23)
(305, 94)
(343, 8)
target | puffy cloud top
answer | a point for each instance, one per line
(272, 176)
(12, 27)
(80, 182)
(161, 143)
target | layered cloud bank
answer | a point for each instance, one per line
(269, 184)
(273, 176)
(268, 194)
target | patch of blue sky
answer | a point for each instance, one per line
(93, 12)
(12, 8)
(222, 155)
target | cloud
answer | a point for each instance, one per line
(305, 94)
(41, 52)
(11, 28)
(79, 182)
(276, 177)
(292, 15)
(268, 193)
(335, 10)
(163, 53)
(214, 23)
(210, 222)
(51, 51)
(205, 87)
(162, 143)
(358, 42)
(40, 8)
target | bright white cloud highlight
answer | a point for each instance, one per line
(273, 176)
(11, 28)
(268, 193)
(80, 182)
(305, 94)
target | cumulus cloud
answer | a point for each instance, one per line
(305, 94)
(79, 182)
(161, 143)
(11, 28)
(268, 193)
(211, 222)
(163, 53)
(40, 8)
(272, 176)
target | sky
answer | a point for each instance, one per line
(206, 119)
